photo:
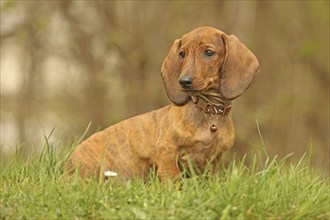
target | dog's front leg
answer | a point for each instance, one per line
(216, 164)
(168, 169)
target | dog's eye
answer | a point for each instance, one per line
(182, 55)
(209, 53)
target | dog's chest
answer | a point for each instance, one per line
(201, 148)
(200, 145)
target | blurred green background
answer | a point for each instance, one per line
(67, 63)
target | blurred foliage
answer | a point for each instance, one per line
(66, 63)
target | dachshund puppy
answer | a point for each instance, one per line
(202, 73)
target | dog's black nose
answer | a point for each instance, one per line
(186, 82)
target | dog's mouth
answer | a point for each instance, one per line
(193, 91)
(198, 89)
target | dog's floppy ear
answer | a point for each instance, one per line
(239, 68)
(170, 73)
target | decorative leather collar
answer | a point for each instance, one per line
(221, 109)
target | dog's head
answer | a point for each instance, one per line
(207, 58)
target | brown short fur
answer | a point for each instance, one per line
(176, 132)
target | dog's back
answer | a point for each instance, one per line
(127, 148)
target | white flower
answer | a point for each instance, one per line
(110, 173)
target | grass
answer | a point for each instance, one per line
(36, 188)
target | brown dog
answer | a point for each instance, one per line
(202, 73)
